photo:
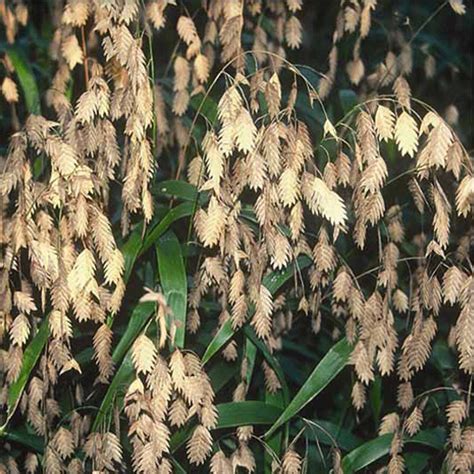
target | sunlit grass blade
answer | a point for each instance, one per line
(137, 245)
(131, 249)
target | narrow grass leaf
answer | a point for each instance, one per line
(116, 389)
(27, 80)
(140, 316)
(331, 364)
(30, 358)
(232, 415)
(375, 449)
(173, 281)
(184, 209)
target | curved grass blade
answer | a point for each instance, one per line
(232, 415)
(173, 281)
(273, 282)
(30, 358)
(222, 337)
(235, 414)
(275, 442)
(367, 453)
(27, 80)
(272, 361)
(121, 379)
(132, 249)
(135, 246)
(433, 438)
(184, 209)
(23, 437)
(140, 316)
(375, 449)
(180, 190)
(331, 364)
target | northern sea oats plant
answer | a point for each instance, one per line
(199, 236)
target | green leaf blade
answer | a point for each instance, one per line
(235, 414)
(27, 80)
(182, 210)
(140, 316)
(366, 454)
(30, 358)
(375, 449)
(173, 281)
(329, 367)
(122, 379)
